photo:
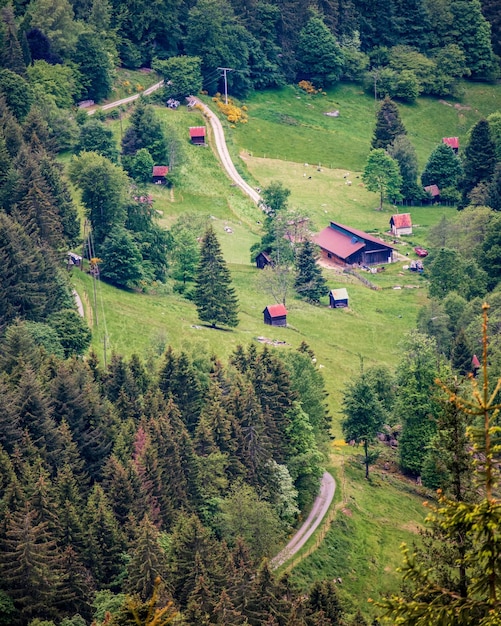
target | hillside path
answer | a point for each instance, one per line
(223, 153)
(317, 514)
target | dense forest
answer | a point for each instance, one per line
(117, 476)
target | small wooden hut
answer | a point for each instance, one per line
(452, 142)
(338, 298)
(262, 260)
(158, 174)
(197, 135)
(275, 315)
(401, 224)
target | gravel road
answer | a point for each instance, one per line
(317, 513)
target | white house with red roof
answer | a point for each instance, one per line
(401, 224)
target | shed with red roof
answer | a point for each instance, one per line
(349, 246)
(275, 315)
(452, 142)
(434, 192)
(401, 224)
(158, 174)
(197, 135)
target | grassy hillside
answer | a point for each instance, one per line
(290, 125)
(286, 130)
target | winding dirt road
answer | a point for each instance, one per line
(317, 513)
(223, 153)
(327, 484)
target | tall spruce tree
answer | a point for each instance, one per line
(388, 124)
(214, 297)
(310, 283)
(443, 168)
(479, 159)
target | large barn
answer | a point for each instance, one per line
(348, 246)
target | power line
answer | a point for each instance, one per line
(225, 70)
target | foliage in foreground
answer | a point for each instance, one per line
(467, 590)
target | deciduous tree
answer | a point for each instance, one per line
(382, 175)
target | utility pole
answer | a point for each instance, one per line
(224, 70)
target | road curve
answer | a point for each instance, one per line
(317, 513)
(224, 155)
(117, 103)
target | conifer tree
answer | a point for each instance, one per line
(310, 283)
(494, 199)
(104, 539)
(443, 168)
(473, 597)
(479, 159)
(214, 297)
(147, 561)
(30, 565)
(388, 125)
(11, 56)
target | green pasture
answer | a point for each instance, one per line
(291, 125)
(361, 548)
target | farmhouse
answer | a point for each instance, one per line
(275, 315)
(348, 246)
(158, 174)
(452, 142)
(338, 298)
(262, 260)
(434, 192)
(197, 135)
(401, 224)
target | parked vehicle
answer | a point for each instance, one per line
(421, 251)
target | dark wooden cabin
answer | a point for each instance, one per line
(275, 315)
(262, 260)
(159, 174)
(338, 298)
(348, 246)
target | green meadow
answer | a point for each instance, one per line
(288, 138)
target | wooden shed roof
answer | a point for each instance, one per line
(160, 170)
(401, 220)
(453, 142)
(345, 242)
(433, 190)
(340, 294)
(197, 131)
(276, 310)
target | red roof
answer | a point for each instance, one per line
(453, 142)
(475, 362)
(160, 170)
(342, 244)
(433, 190)
(402, 220)
(276, 310)
(197, 131)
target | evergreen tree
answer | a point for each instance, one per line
(388, 125)
(310, 282)
(147, 561)
(320, 59)
(443, 168)
(479, 159)
(494, 199)
(416, 406)
(121, 259)
(404, 154)
(30, 566)
(96, 137)
(104, 539)
(461, 354)
(467, 588)
(93, 62)
(11, 57)
(214, 297)
(145, 131)
(364, 416)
